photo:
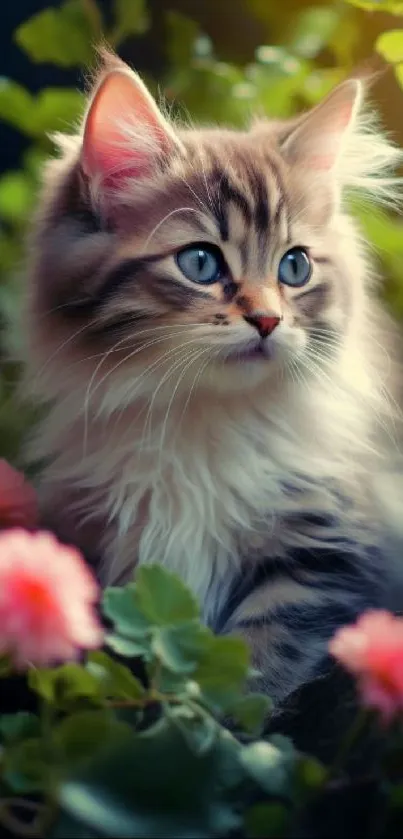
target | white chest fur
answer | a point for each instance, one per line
(209, 490)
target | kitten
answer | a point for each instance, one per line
(203, 329)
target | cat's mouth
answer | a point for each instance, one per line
(261, 351)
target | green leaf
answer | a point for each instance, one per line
(26, 766)
(122, 606)
(152, 784)
(127, 647)
(311, 773)
(19, 726)
(263, 821)
(268, 766)
(17, 106)
(117, 680)
(163, 598)
(57, 109)
(390, 46)
(180, 647)
(64, 685)
(251, 712)
(80, 736)
(222, 672)
(283, 743)
(392, 7)
(314, 29)
(131, 18)
(199, 730)
(60, 36)
(17, 196)
(168, 682)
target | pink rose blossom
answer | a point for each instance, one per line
(372, 649)
(47, 597)
(18, 505)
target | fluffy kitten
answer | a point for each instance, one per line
(203, 330)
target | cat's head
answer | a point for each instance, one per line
(167, 257)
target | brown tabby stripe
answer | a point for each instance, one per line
(313, 300)
(165, 287)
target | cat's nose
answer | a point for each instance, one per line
(263, 323)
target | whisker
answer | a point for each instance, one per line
(196, 355)
(164, 378)
(168, 215)
(91, 393)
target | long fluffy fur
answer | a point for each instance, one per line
(203, 480)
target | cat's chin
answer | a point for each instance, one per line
(240, 374)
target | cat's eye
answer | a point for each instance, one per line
(295, 267)
(201, 263)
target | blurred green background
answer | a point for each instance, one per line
(217, 60)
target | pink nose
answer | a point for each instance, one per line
(263, 323)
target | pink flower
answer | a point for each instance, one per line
(18, 505)
(47, 597)
(372, 649)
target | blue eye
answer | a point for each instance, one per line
(295, 268)
(201, 264)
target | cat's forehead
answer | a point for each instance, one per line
(234, 167)
(224, 185)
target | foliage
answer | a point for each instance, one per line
(110, 753)
(165, 730)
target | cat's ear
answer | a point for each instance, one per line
(124, 131)
(318, 140)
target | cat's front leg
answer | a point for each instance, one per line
(288, 621)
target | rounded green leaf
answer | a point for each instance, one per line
(19, 726)
(390, 46)
(17, 106)
(222, 672)
(122, 606)
(57, 109)
(17, 196)
(311, 773)
(251, 712)
(162, 596)
(129, 648)
(64, 685)
(117, 680)
(180, 647)
(80, 736)
(131, 18)
(152, 784)
(26, 766)
(60, 36)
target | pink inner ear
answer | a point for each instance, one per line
(318, 141)
(123, 131)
